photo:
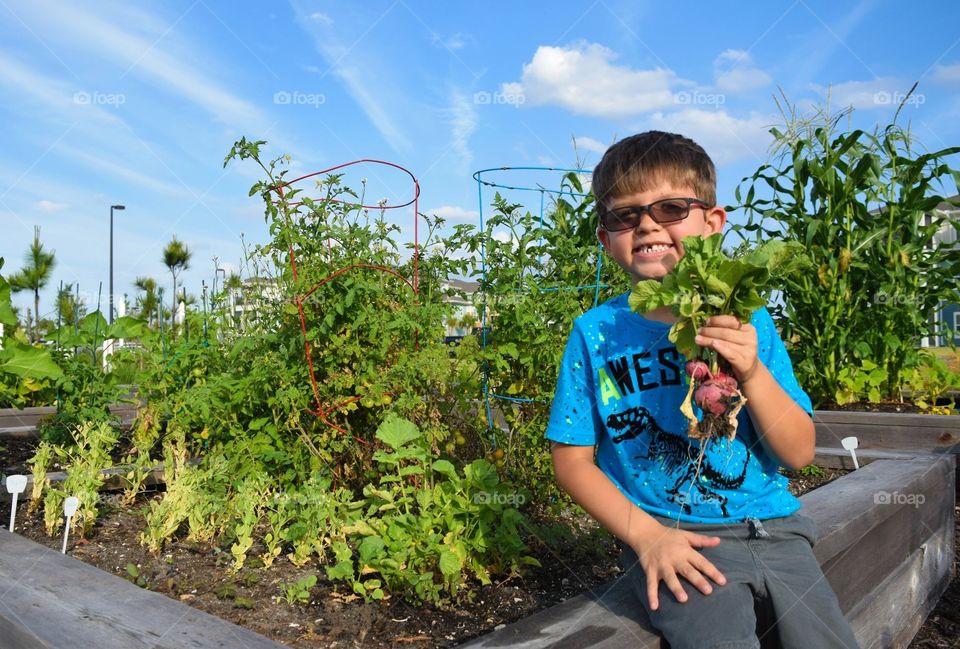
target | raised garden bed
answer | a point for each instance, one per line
(23, 422)
(883, 435)
(886, 546)
(334, 616)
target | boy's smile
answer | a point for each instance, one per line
(651, 250)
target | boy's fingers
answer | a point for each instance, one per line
(724, 321)
(673, 583)
(694, 576)
(705, 567)
(653, 585)
(700, 541)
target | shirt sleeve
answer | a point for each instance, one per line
(773, 354)
(574, 418)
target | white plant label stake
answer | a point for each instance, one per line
(69, 509)
(15, 486)
(851, 444)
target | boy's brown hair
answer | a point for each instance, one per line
(640, 162)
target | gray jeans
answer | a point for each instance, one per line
(775, 595)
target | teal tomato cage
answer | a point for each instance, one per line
(483, 180)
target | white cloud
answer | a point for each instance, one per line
(455, 213)
(879, 93)
(584, 79)
(49, 206)
(724, 137)
(321, 18)
(949, 74)
(589, 144)
(734, 72)
(463, 123)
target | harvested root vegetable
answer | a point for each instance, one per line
(704, 283)
(720, 399)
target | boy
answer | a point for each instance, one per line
(729, 518)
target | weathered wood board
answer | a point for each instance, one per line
(877, 541)
(53, 601)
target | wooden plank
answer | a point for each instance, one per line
(838, 458)
(13, 420)
(11, 417)
(890, 616)
(889, 431)
(64, 603)
(114, 479)
(607, 617)
(863, 540)
(846, 509)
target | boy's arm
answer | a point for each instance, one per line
(782, 426)
(665, 553)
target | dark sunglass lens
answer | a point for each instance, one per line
(669, 210)
(622, 219)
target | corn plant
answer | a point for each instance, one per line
(864, 206)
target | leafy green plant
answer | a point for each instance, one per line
(854, 382)
(298, 592)
(84, 460)
(704, 283)
(425, 527)
(25, 371)
(865, 207)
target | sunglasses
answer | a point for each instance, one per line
(669, 210)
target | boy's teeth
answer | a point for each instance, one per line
(657, 248)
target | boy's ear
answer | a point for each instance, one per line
(716, 218)
(604, 238)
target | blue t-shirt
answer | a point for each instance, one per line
(620, 387)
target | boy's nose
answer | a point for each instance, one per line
(646, 223)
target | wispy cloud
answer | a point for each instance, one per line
(347, 61)
(463, 123)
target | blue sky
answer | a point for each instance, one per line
(137, 103)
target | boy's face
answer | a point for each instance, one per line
(651, 249)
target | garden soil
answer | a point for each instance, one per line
(200, 575)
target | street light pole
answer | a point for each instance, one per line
(112, 207)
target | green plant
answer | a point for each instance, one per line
(931, 381)
(134, 575)
(704, 283)
(865, 206)
(85, 460)
(812, 471)
(425, 527)
(854, 382)
(25, 371)
(298, 592)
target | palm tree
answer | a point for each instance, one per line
(147, 303)
(37, 268)
(176, 257)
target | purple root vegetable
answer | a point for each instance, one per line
(718, 396)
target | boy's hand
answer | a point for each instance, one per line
(734, 340)
(671, 553)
